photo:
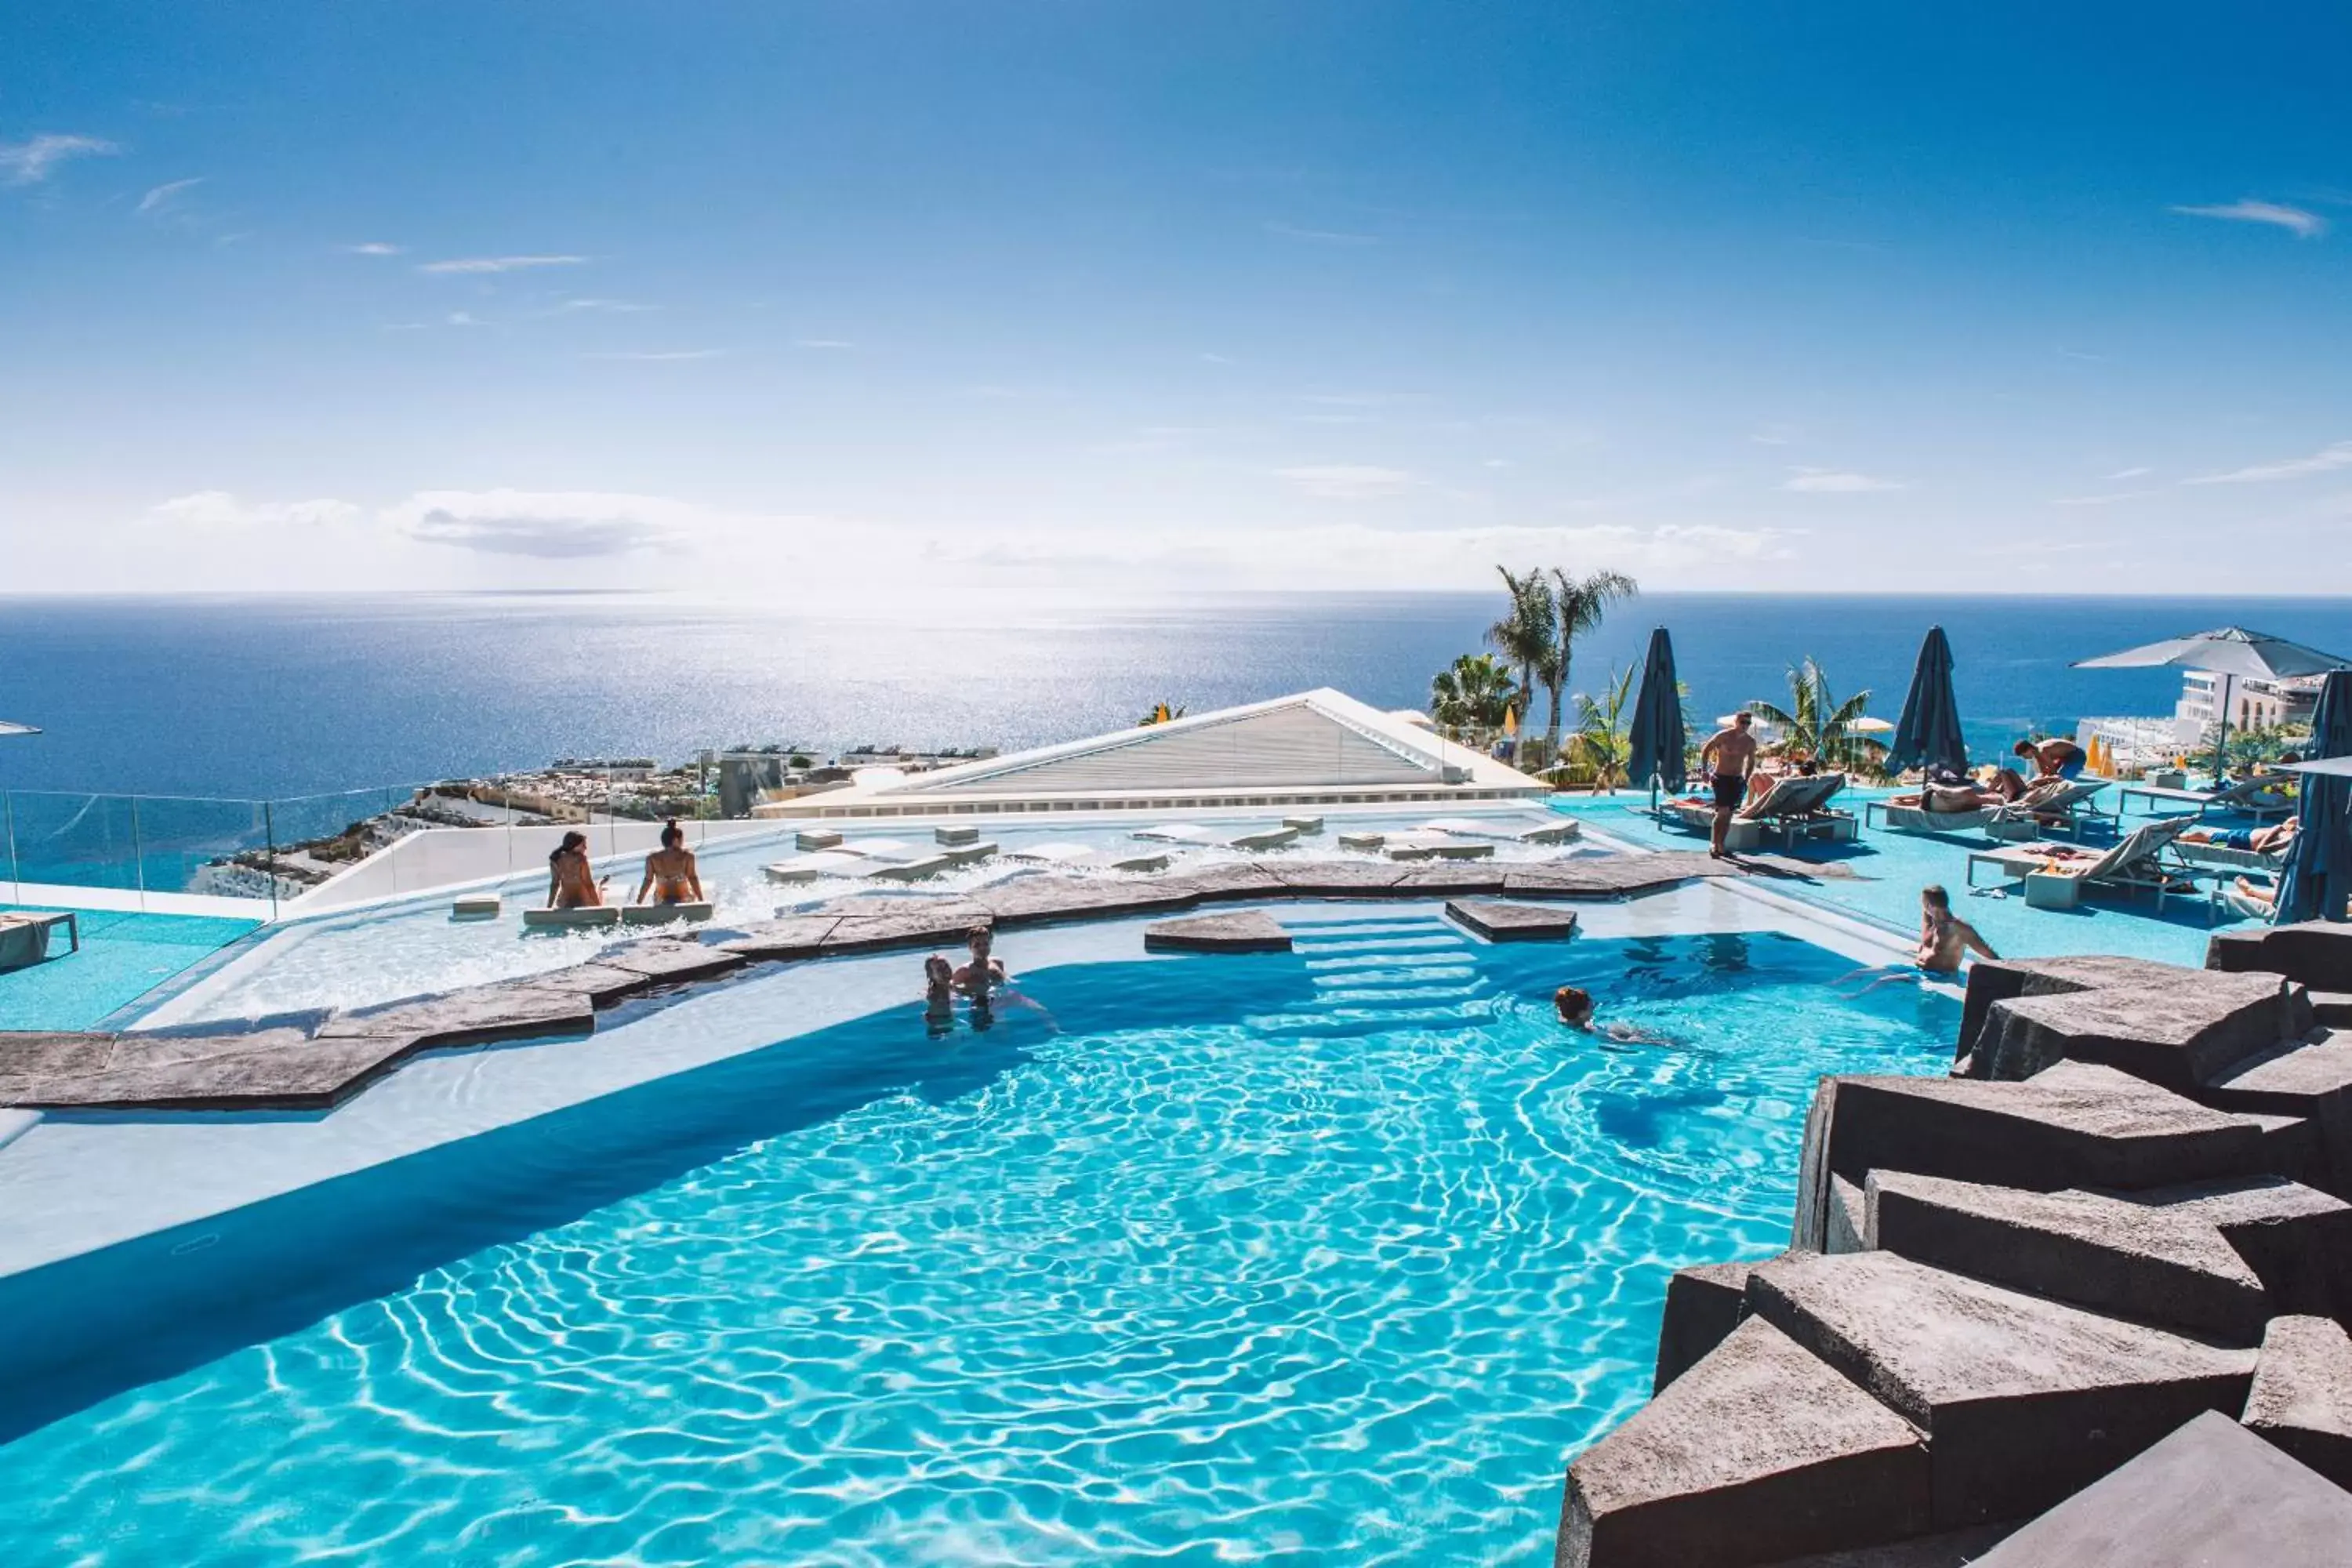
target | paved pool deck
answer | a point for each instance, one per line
(1889, 868)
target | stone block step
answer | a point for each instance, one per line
(2137, 1259)
(2023, 1401)
(1757, 1452)
(2302, 1398)
(2211, 1494)
(1245, 930)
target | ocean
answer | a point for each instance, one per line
(287, 696)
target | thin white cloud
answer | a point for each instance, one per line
(822, 344)
(2326, 460)
(219, 509)
(2129, 473)
(662, 356)
(2301, 224)
(2108, 499)
(1319, 236)
(161, 195)
(1214, 359)
(472, 264)
(1834, 482)
(616, 307)
(463, 319)
(1348, 481)
(30, 161)
(544, 525)
(373, 247)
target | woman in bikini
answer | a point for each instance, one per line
(671, 874)
(571, 883)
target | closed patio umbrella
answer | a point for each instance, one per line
(2229, 651)
(2318, 877)
(1929, 734)
(1658, 741)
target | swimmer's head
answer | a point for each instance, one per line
(937, 971)
(980, 939)
(672, 835)
(1932, 898)
(1574, 1005)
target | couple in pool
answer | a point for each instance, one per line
(671, 875)
(981, 980)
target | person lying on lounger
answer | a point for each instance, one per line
(1950, 793)
(2260, 841)
(571, 883)
(670, 872)
(2259, 899)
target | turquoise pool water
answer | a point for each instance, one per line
(123, 957)
(1889, 868)
(1333, 1256)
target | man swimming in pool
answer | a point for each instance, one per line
(1729, 756)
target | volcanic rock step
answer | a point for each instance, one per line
(1251, 931)
(2302, 1398)
(2023, 1401)
(1759, 1452)
(1499, 921)
(2163, 1256)
(2209, 1494)
(2075, 1125)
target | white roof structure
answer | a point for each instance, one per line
(1317, 747)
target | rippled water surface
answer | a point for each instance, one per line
(1326, 1259)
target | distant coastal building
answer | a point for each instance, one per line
(1317, 748)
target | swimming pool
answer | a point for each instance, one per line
(1331, 1257)
(409, 948)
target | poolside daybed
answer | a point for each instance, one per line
(2264, 794)
(2055, 875)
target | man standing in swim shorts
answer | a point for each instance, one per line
(1729, 756)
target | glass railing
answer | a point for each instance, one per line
(268, 853)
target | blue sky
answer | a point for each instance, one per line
(784, 299)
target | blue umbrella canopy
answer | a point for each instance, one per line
(1929, 734)
(1658, 740)
(2319, 867)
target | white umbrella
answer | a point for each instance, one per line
(1871, 726)
(2229, 651)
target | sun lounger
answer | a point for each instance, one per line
(1208, 838)
(2142, 861)
(2264, 794)
(2221, 857)
(1087, 857)
(2064, 805)
(1505, 832)
(1433, 846)
(811, 867)
(1794, 807)
(596, 917)
(24, 935)
(662, 914)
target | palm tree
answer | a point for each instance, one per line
(1471, 693)
(1815, 722)
(1580, 603)
(1604, 731)
(1160, 714)
(1526, 635)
